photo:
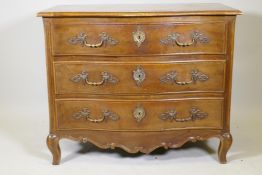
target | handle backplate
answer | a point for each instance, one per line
(105, 78)
(86, 114)
(194, 114)
(82, 40)
(175, 39)
(171, 77)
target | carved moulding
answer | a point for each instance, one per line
(178, 140)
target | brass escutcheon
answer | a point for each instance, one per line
(139, 36)
(139, 75)
(139, 113)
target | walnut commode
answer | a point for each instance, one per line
(139, 77)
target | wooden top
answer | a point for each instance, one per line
(139, 10)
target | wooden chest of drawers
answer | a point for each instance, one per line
(139, 77)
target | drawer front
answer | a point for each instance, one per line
(139, 78)
(83, 38)
(94, 114)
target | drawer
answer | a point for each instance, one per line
(119, 39)
(148, 115)
(139, 78)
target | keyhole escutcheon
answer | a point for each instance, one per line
(139, 75)
(139, 113)
(139, 36)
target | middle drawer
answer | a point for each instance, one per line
(139, 78)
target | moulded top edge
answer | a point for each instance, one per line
(139, 10)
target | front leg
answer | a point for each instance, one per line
(53, 145)
(225, 144)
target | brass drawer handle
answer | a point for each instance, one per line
(194, 114)
(85, 114)
(82, 40)
(171, 77)
(174, 38)
(106, 78)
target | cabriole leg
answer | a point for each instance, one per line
(225, 144)
(53, 145)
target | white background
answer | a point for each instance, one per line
(24, 110)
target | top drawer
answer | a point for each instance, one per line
(116, 38)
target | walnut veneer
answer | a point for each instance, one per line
(139, 77)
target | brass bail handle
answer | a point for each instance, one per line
(103, 80)
(86, 114)
(81, 39)
(195, 37)
(106, 78)
(194, 114)
(196, 75)
(184, 44)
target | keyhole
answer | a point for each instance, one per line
(139, 37)
(139, 113)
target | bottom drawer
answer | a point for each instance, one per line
(140, 115)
